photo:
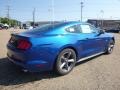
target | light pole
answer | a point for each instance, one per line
(34, 10)
(81, 3)
(53, 11)
(50, 11)
(8, 11)
(102, 19)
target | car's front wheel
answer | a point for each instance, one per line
(66, 61)
(110, 47)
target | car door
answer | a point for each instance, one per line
(91, 43)
(99, 39)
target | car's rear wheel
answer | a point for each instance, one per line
(66, 61)
(110, 47)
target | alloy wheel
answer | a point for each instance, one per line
(66, 61)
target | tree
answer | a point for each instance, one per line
(5, 20)
(10, 22)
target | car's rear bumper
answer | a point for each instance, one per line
(31, 65)
(34, 59)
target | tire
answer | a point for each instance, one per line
(110, 47)
(66, 61)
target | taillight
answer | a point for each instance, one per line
(23, 44)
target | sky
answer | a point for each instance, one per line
(63, 9)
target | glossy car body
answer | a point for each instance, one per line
(48, 41)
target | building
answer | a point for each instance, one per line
(105, 24)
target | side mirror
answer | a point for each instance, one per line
(101, 31)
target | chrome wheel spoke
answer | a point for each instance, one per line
(110, 49)
(71, 60)
(67, 61)
(111, 46)
(62, 65)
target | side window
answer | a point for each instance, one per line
(74, 29)
(86, 28)
(94, 29)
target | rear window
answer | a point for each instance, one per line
(45, 27)
(74, 29)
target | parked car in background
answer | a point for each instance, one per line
(113, 31)
(4, 26)
(58, 46)
(1, 26)
(111, 26)
(30, 27)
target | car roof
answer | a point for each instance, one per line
(69, 23)
(53, 28)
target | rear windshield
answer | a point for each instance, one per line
(45, 27)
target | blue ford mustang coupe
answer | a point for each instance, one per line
(58, 46)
